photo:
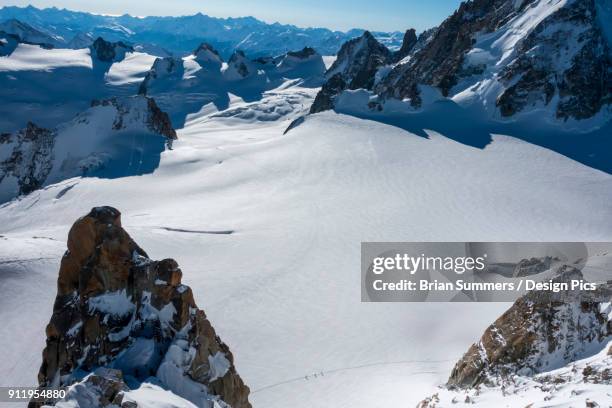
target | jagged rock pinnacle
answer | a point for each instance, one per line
(114, 303)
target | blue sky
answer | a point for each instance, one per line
(381, 15)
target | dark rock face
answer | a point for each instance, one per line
(162, 67)
(8, 43)
(29, 157)
(410, 40)
(539, 331)
(358, 61)
(206, 47)
(238, 62)
(533, 266)
(583, 88)
(157, 121)
(439, 62)
(303, 53)
(266, 61)
(208, 57)
(325, 98)
(107, 51)
(113, 302)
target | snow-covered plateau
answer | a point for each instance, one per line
(219, 161)
(283, 289)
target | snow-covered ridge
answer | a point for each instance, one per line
(203, 80)
(228, 174)
(30, 34)
(515, 57)
(182, 34)
(505, 59)
(115, 137)
(51, 85)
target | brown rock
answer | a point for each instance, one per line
(111, 296)
(537, 324)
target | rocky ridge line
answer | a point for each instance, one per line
(540, 331)
(547, 349)
(562, 63)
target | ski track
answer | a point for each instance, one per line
(322, 373)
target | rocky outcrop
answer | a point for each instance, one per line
(358, 60)
(162, 68)
(27, 157)
(156, 120)
(325, 98)
(533, 266)
(239, 67)
(267, 61)
(304, 53)
(565, 56)
(8, 43)
(118, 309)
(541, 331)
(410, 40)
(355, 67)
(440, 62)
(205, 54)
(107, 51)
(35, 157)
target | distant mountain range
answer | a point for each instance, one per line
(183, 34)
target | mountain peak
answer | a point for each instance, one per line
(27, 33)
(528, 67)
(239, 66)
(117, 308)
(107, 51)
(207, 54)
(93, 143)
(408, 43)
(540, 332)
(355, 67)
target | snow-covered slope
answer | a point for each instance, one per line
(585, 382)
(50, 86)
(548, 349)
(113, 138)
(203, 81)
(538, 70)
(29, 33)
(504, 59)
(512, 57)
(267, 230)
